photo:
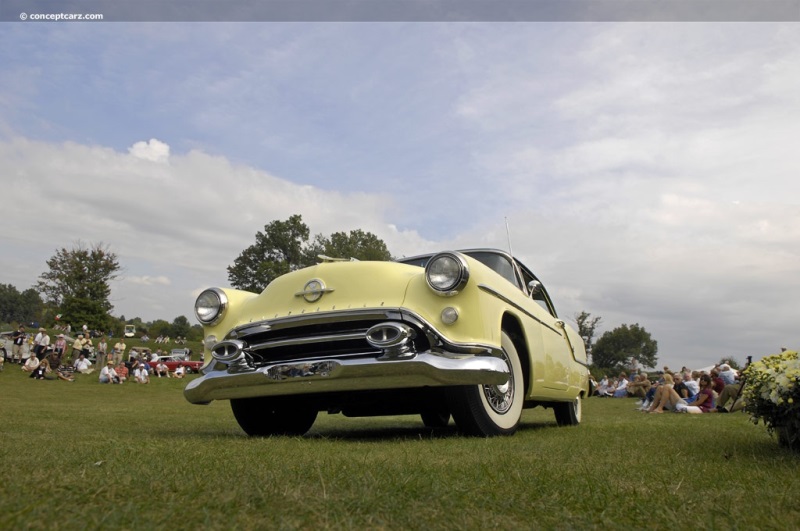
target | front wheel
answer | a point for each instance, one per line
(490, 410)
(264, 416)
(568, 413)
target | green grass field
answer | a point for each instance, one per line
(83, 455)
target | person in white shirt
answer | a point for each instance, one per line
(162, 369)
(31, 364)
(108, 374)
(691, 384)
(41, 342)
(82, 365)
(727, 374)
(180, 371)
(622, 386)
(141, 374)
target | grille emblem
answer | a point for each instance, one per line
(313, 290)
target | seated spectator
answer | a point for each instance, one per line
(31, 364)
(718, 384)
(180, 371)
(162, 369)
(621, 391)
(141, 374)
(41, 371)
(154, 357)
(82, 365)
(691, 380)
(704, 402)
(65, 373)
(665, 396)
(640, 386)
(108, 374)
(730, 393)
(727, 374)
(122, 372)
(602, 387)
(680, 387)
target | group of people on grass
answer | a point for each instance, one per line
(683, 391)
(51, 361)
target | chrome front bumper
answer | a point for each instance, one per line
(326, 375)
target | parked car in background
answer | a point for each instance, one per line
(470, 334)
(173, 361)
(6, 347)
(184, 353)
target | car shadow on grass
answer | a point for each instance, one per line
(356, 432)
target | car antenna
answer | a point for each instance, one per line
(511, 252)
(508, 235)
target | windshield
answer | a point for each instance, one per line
(496, 262)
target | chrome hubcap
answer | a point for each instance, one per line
(500, 397)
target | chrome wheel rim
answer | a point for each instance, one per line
(501, 397)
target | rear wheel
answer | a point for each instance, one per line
(568, 413)
(266, 416)
(489, 410)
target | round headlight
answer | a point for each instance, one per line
(447, 273)
(210, 306)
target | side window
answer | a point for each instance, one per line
(499, 264)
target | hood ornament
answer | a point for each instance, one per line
(313, 290)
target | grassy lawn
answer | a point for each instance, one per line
(84, 455)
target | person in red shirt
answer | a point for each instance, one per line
(122, 372)
(717, 383)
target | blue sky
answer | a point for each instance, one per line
(648, 171)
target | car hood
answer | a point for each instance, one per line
(347, 285)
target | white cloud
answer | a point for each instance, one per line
(153, 150)
(172, 226)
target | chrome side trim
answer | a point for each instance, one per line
(324, 375)
(495, 293)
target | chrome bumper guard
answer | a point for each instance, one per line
(326, 375)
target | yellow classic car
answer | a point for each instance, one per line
(470, 334)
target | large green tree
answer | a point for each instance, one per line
(355, 244)
(78, 281)
(284, 246)
(180, 327)
(277, 250)
(616, 348)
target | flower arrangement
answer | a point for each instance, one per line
(772, 395)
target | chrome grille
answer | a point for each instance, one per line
(328, 340)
